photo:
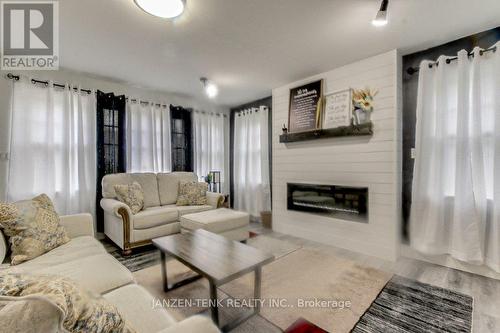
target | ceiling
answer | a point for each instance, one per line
(249, 47)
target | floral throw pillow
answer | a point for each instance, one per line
(80, 311)
(32, 227)
(192, 194)
(132, 195)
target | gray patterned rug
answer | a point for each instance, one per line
(408, 306)
(141, 258)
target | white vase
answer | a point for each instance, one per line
(361, 117)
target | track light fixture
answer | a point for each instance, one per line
(210, 88)
(381, 18)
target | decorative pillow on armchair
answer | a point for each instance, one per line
(32, 227)
(132, 195)
(192, 194)
(79, 310)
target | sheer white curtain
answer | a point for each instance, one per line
(148, 138)
(210, 131)
(53, 146)
(251, 161)
(456, 183)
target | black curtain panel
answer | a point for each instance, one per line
(111, 143)
(182, 141)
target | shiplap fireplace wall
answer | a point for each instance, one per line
(371, 161)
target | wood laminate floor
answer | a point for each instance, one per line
(485, 291)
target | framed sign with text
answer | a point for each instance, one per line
(305, 107)
(338, 109)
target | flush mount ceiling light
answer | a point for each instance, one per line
(381, 18)
(210, 88)
(162, 8)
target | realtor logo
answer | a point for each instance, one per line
(30, 35)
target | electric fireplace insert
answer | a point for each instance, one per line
(342, 202)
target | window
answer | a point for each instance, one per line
(181, 139)
(148, 137)
(111, 142)
(53, 146)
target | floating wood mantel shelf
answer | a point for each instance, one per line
(355, 130)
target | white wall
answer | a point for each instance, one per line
(88, 82)
(373, 162)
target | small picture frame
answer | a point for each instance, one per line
(337, 110)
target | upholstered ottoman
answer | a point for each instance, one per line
(222, 221)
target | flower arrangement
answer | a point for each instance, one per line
(362, 100)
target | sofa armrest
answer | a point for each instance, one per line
(119, 213)
(3, 247)
(78, 225)
(114, 206)
(215, 199)
(195, 324)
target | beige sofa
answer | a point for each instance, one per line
(160, 216)
(85, 260)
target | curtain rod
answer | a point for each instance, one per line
(250, 110)
(146, 102)
(413, 70)
(88, 91)
(46, 83)
(205, 112)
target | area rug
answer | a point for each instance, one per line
(329, 291)
(141, 258)
(378, 303)
(255, 324)
(279, 248)
(295, 282)
(408, 306)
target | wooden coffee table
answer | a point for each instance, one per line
(216, 258)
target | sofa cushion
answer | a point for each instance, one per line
(109, 182)
(192, 194)
(76, 248)
(80, 311)
(149, 185)
(138, 307)
(139, 235)
(33, 228)
(217, 221)
(147, 181)
(132, 195)
(168, 185)
(184, 210)
(29, 315)
(99, 273)
(155, 216)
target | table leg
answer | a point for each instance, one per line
(214, 310)
(164, 271)
(257, 288)
(175, 285)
